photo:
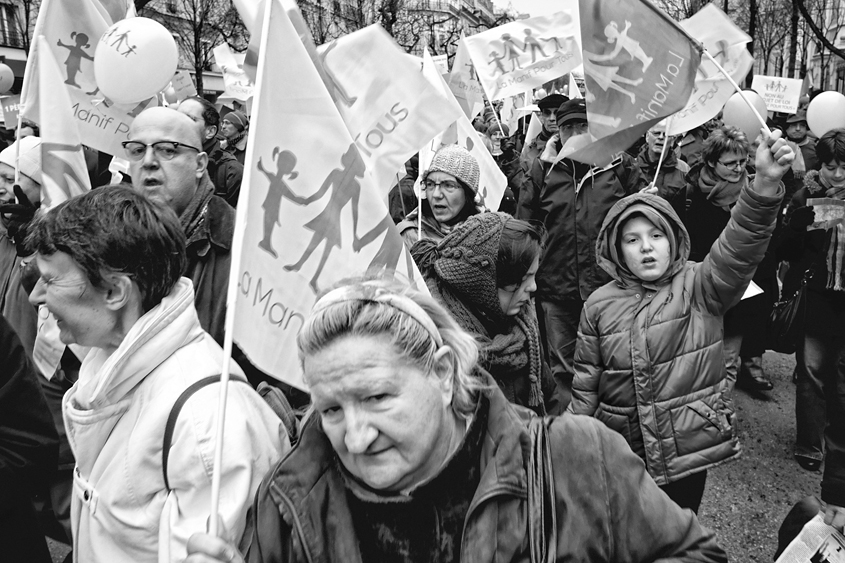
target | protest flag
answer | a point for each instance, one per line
(72, 28)
(238, 85)
(639, 67)
(517, 56)
(309, 214)
(463, 82)
(64, 173)
(491, 182)
(722, 38)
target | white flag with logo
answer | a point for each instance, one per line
(463, 82)
(309, 214)
(388, 106)
(525, 54)
(238, 85)
(726, 42)
(492, 182)
(72, 29)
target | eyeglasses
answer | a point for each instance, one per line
(446, 186)
(165, 150)
(734, 164)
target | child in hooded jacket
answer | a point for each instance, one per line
(649, 359)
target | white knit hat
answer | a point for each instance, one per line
(29, 162)
(457, 161)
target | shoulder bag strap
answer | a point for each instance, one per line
(542, 520)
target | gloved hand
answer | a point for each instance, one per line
(17, 217)
(801, 218)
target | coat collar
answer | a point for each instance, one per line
(217, 229)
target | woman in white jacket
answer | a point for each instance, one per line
(110, 263)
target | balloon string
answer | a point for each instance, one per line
(739, 90)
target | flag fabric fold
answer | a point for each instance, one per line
(463, 82)
(639, 67)
(727, 43)
(515, 57)
(238, 85)
(309, 214)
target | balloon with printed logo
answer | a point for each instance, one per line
(736, 113)
(826, 112)
(135, 59)
(7, 78)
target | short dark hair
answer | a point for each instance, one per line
(36, 131)
(209, 113)
(831, 146)
(519, 244)
(116, 229)
(723, 140)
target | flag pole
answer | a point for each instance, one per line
(738, 89)
(232, 291)
(663, 151)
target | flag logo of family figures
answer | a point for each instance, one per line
(639, 67)
(72, 29)
(312, 214)
(518, 56)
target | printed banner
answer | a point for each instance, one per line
(780, 94)
(639, 67)
(72, 29)
(463, 82)
(492, 182)
(389, 114)
(309, 214)
(726, 42)
(524, 54)
(238, 86)
(11, 109)
(183, 85)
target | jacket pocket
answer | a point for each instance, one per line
(697, 426)
(619, 422)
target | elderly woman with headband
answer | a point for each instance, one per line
(412, 454)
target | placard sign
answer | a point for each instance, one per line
(780, 94)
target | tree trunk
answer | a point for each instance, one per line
(793, 41)
(817, 31)
(752, 31)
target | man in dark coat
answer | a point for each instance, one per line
(224, 169)
(571, 199)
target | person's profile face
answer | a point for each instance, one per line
(833, 174)
(387, 420)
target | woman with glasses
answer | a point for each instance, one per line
(483, 273)
(713, 187)
(450, 186)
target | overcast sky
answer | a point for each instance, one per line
(531, 7)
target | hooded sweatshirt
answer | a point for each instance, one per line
(649, 360)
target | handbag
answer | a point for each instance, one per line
(542, 520)
(786, 321)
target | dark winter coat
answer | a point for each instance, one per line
(671, 182)
(571, 200)
(608, 509)
(226, 173)
(649, 361)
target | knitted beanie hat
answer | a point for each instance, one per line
(29, 162)
(465, 261)
(457, 161)
(237, 118)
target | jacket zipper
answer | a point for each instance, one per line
(500, 490)
(296, 524)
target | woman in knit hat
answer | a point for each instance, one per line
(449, 186)
(483, 273)
(649, 361)
(233, 127)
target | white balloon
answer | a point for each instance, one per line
(135, 59)
(826, 112)
(736, 113)
(7, 78)
(170, 95)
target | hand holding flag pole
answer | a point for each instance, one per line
(738, 89)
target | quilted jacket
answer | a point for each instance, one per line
(649, 361)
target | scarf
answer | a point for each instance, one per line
(835, 247)
(460, 272)
(232, 143)
(194, 215)
(720, 193)
(799, 168)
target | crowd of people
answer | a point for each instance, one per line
(560, 393)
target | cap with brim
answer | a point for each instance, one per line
(797, 118)
(551, 102)
(571, 112)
